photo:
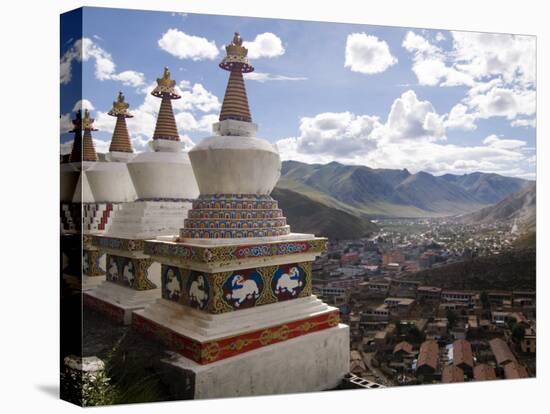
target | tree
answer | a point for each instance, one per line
(398, 327)
(452, 317)
(414, 335)
(518, 333)
(484, 298)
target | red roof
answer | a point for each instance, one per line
(452, 373)
(429, 353)
(484, 372)
(462, 353)
(515, 370)
(403, 346)
(501, 351)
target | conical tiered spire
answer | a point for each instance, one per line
(83, 145)
(121, 139)
(235, 101)
(166, 123)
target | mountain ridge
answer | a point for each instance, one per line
(368, 192)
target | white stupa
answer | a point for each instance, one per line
(165, 185)
(110, 180)
(237, 303)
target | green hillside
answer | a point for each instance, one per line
(511, 270)
(305, 215)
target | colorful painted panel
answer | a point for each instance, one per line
(241, 289)
(104, 242)
(129, 272)
(171, 283)
(208, 352)
(90, 263)
(288, 281)
(188, 253)
(198, 290)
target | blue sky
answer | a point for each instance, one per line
(380, 96)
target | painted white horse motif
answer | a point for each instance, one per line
(113, 269)
(128, 273)
(85, 265)
(289, 282)
(172, 285)
(197, 291)
(242, 290)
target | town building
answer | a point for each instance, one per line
(528, 343)
(484, 372)
(437, 329)
(463, 357)
(452, 373)
(467, 298)
(501, 351)
(402, 350)
(515, 370)
(428, 357)
(399, 307)
(428, 294)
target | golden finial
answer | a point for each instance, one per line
(120, 107)
(165, 86)
(88, 121)
(235, 59)
(165, 80)
(236, 48)
(237, 40)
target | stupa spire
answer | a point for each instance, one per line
(235, 101)
(83, 146)
(121, 138)
(166, 122)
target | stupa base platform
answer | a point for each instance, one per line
(91, 282)
(315, 362)
(206, 338)
(118, 302)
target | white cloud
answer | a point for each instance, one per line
(367, 54)
(265, 45)
(489, 54)
(412, 137)
(83, 104)
(459, 118)
(129, 78)
(65, 123)
(411, 118)
(193, 112)
(197, 97)
(66, 147)
(100, 146)
(265, 77)
(105, 69)
(503, 102)
(496, 142)
(184, 46)
(525, 123)
(498, 69)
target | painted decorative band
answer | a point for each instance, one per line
(212, 351)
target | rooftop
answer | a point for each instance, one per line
(484, 372)
(452, 373)
(501, 351)
(462, 353)
(514, 370)
(429, 352)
